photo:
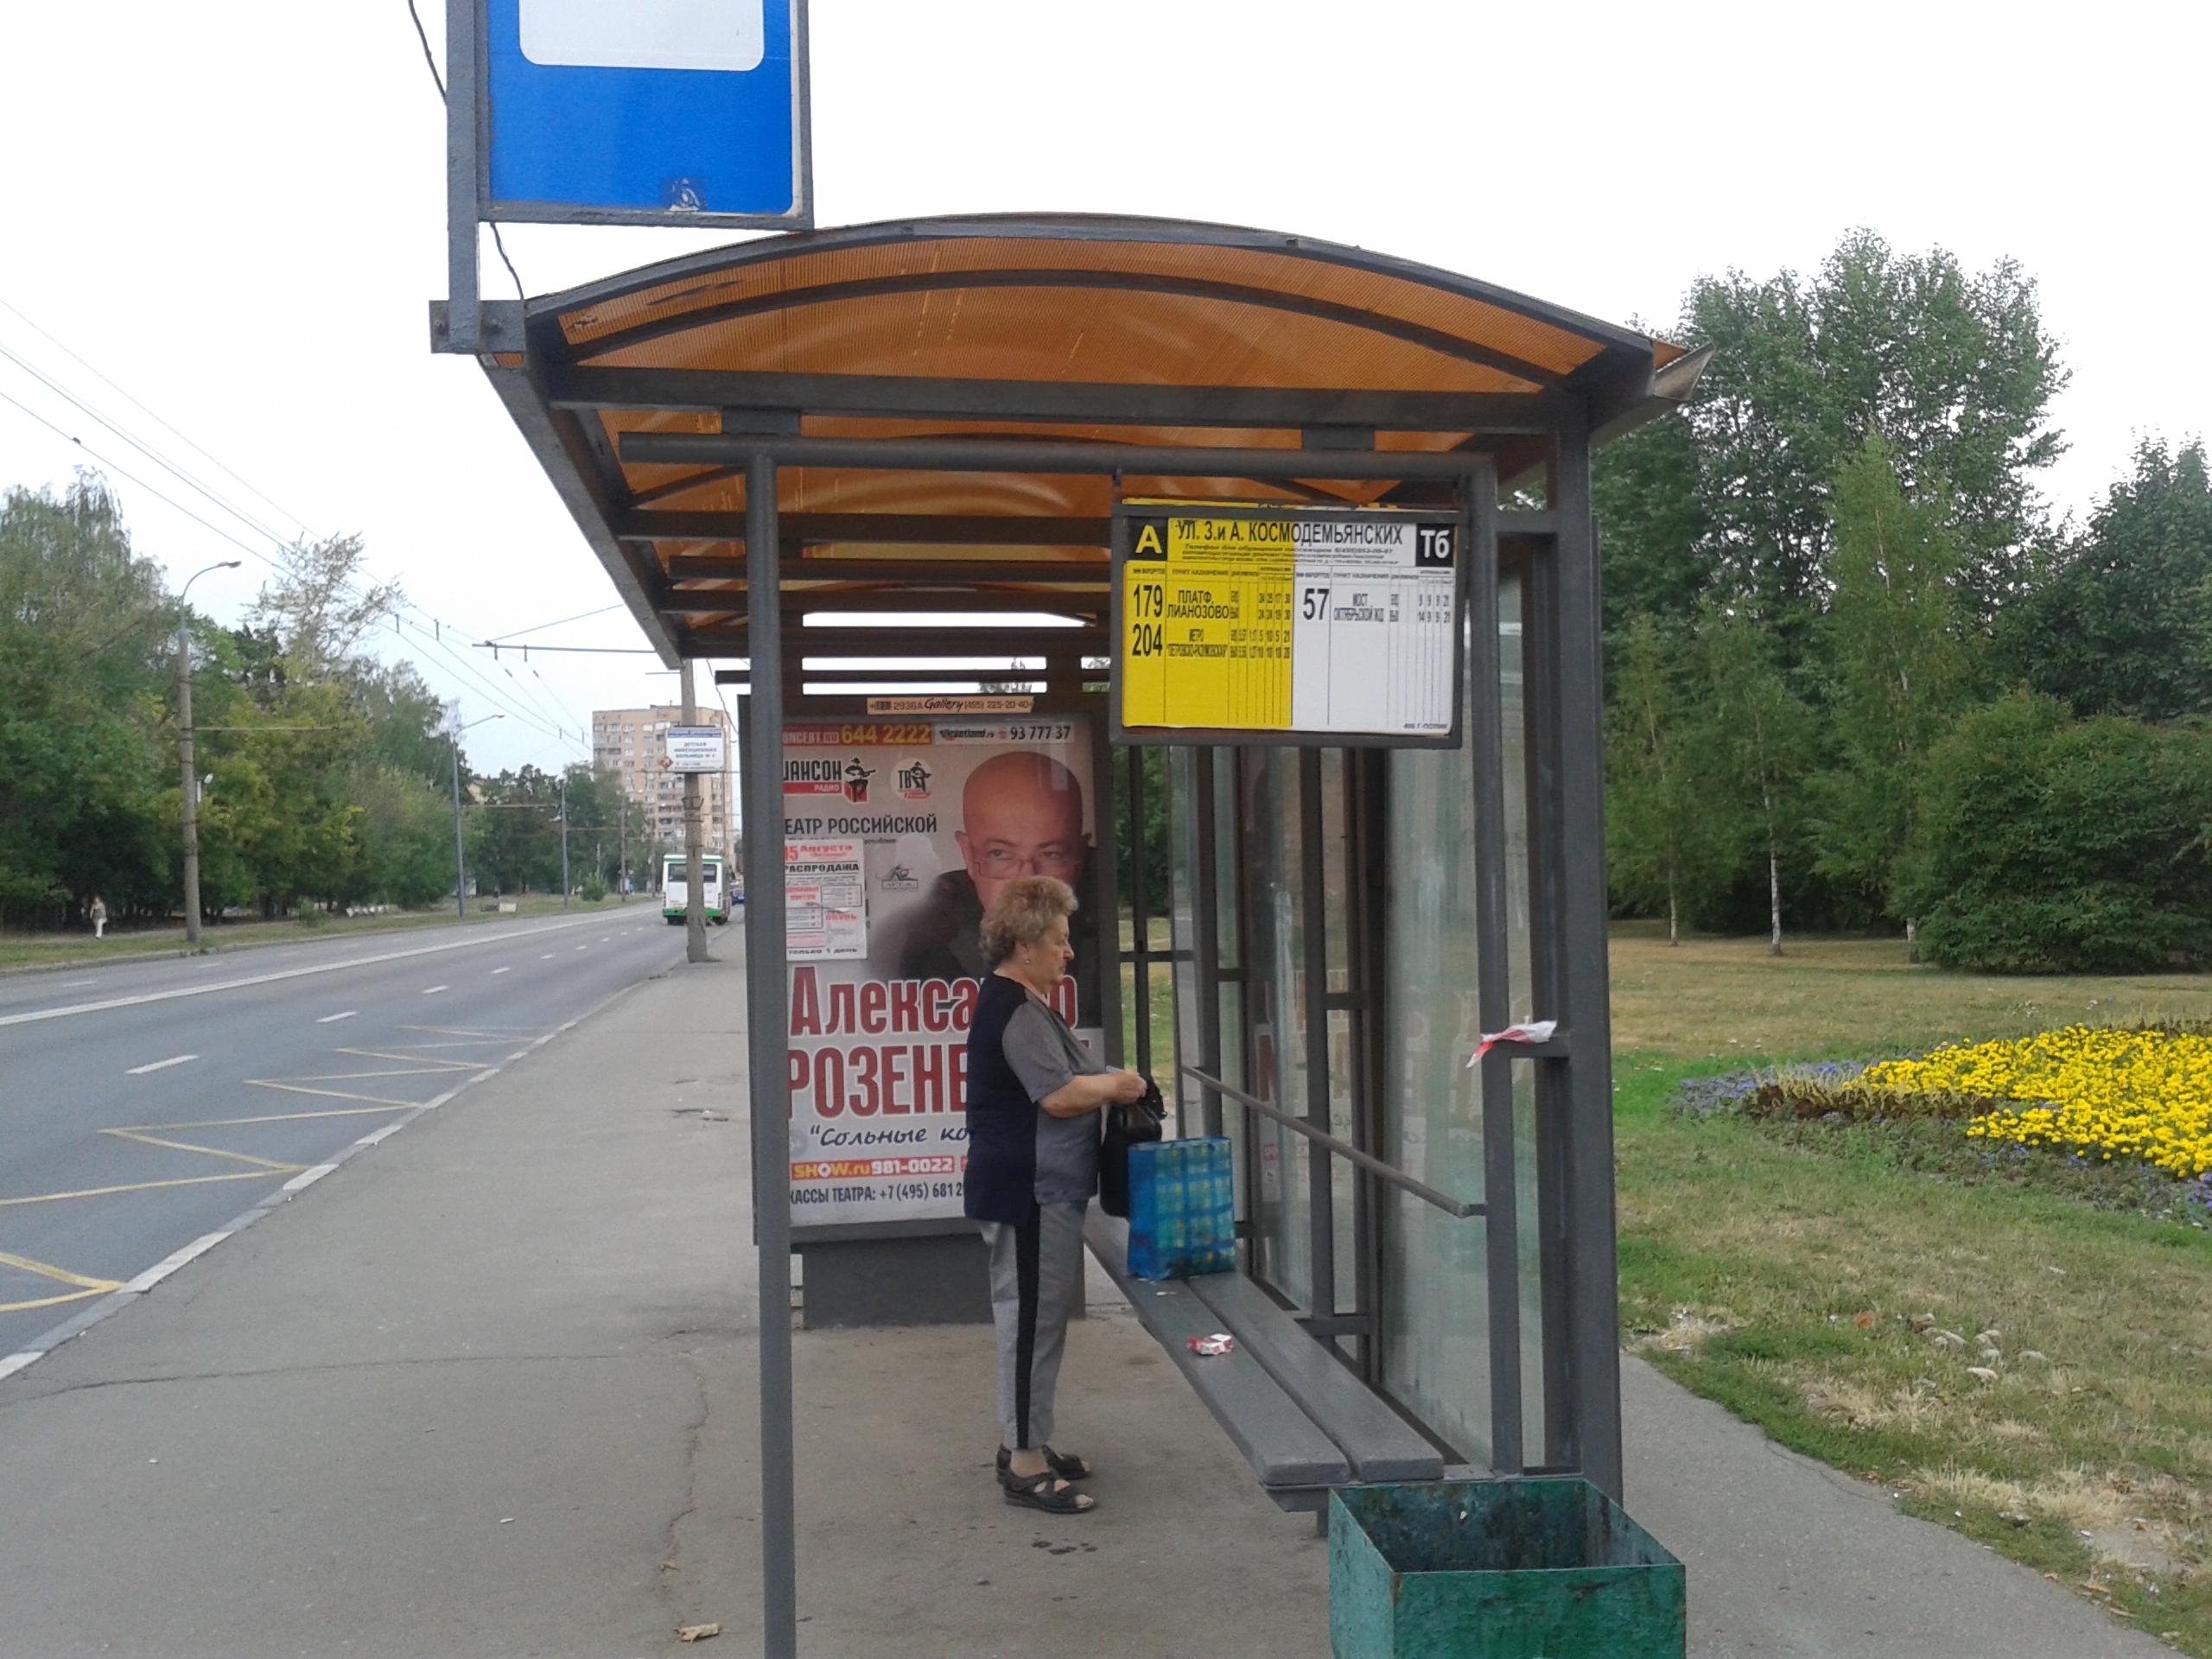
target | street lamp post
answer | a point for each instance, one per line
(565, 838)
(186, 766)
(459, 867)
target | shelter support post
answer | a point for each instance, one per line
(767, 1019)
(1486, 748)
(1584, 1088)
(694, 863)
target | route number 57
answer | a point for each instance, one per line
(1316, 604)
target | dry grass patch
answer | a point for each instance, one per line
(2025, 1368)
(1727, 998)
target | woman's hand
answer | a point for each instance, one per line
(1086, 1093)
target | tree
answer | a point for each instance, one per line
(1952, 368)
(85, 644)
(1657, 827)
(2124, 626)
(515, 832)
(1651, 528)
(320, 604)
(404, 838)
(2047, 844)
(1752, 749)
(1898, 662)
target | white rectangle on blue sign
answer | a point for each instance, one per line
(646, 111)
(645, 34)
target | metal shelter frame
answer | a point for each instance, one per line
(882, 424)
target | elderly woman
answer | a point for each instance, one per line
(1033, 1096)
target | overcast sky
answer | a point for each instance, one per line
(236, 213)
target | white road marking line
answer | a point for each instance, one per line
(432, 990)
(584, 947)
(307, 1177)
(503, 970)
(331, 1019)
(15, 1363)
(159, 1065)
(548, 956)
(263, 979)
(72, 984)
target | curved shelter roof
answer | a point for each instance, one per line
(1005, 332)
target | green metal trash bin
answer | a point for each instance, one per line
(1488, 1569)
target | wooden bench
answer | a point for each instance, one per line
(1303, 1421)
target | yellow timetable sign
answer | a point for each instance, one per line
(1289, 620)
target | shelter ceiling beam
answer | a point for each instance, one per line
(1441, 341)
(923, 600)
(1047, 458)
(586, 386)
(914, 529)
(729, 639)
(928, 573)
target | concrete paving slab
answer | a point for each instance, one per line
(907, 1548)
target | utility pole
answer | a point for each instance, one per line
(186, 766)
(564, 837)
(623, 857)
(459, 867)
(695, 850)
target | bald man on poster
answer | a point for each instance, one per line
(1021, 814)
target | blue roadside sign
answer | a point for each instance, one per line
(647, 113)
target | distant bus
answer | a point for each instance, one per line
(676, 886)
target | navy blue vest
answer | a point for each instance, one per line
(1000, 1184)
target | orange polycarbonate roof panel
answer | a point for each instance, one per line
(782, 275)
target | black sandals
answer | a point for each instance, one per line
(1046, 1491)
(1065, 1464)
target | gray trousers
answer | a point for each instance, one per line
(1036, 1275)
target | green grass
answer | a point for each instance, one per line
(1162, 1004)
(1782, 1271)
(59, 949)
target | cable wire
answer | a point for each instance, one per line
(152, 414)
(423, 35)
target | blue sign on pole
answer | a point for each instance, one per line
(647, 113)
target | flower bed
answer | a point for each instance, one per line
(2143, 1096)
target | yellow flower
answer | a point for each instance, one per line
(2096, 1092)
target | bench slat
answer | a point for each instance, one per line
(1277, 1438)
(1380, 1444)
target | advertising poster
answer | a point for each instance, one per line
(825, 899)
(936, 817)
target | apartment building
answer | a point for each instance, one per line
(628, 742)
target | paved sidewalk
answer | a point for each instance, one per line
(487, 1389)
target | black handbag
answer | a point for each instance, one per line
(1127, 1124)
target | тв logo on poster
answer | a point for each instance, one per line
(914, 781)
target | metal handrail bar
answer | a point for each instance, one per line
(1344, 1149)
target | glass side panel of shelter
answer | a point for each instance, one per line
(1311, 942)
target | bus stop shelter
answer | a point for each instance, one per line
(797, 454)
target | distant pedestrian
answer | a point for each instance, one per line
(99, 917)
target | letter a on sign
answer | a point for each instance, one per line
(1147, 542)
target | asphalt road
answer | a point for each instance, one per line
(146, 1104)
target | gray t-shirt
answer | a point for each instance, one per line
(1045, 1057)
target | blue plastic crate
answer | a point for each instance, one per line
(1182, 1208)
